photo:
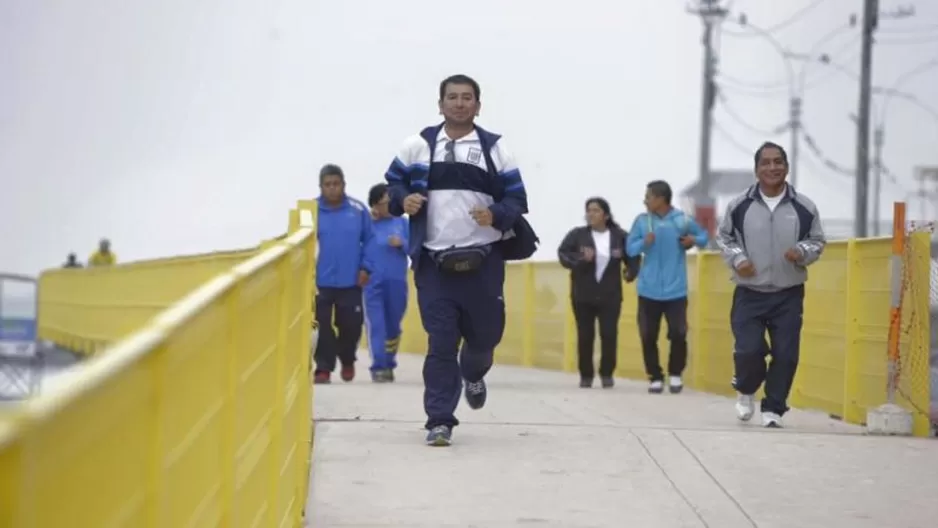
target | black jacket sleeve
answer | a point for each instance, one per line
(569, 253)
(632, 264)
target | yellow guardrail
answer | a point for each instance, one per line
(199, 417)
(843, 351)
(85, 310)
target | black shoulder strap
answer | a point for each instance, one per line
(739, 214)
(487, 152)
(805, 219)
(497, 186)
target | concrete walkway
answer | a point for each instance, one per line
(544, 453)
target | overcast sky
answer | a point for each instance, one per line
(180, 126)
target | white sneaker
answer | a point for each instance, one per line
(675, 384)
(656, 387)
(770, 419)
(745, 406)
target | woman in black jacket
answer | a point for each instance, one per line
(594, 254)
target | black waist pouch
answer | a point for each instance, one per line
(461, 260)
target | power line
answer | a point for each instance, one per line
(776, 88)
(908, 41)
(732, 141)
(826, 160)
(796, 17)
(908, 30)
(721, 97)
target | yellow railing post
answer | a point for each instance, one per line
(852, 412)
(699, 352)
(569, 335)
(294, 221)
(529, 350)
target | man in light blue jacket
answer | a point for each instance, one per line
(663, 235)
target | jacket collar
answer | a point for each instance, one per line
(754, 193)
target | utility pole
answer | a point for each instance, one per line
(878, 138)
(711, 13)
(870, 18)
(795, 127)
(924, 175)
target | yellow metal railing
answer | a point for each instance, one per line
(199, 416)
(843, 352)
(85, 310)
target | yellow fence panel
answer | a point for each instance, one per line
(200, 418)
(712, 352)
(819, 383)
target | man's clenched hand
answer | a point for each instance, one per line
(413, 203)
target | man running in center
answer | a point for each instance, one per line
(465, 197)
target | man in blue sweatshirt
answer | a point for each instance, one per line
(663, 235)
(342, 268)
(386, 291)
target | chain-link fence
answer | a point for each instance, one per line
(916, 376)
(933, 325)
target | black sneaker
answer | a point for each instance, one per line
(608, 382)
(586, 383)
(440, 436)
(476, 393)
(382, 376)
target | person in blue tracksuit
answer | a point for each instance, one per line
(342, 268)
(663, 235)
(386, 291)
(465, 198)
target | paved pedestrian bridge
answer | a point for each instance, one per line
(194, 408)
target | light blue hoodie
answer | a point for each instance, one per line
(663, 275)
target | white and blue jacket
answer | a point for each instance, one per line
(455, 176)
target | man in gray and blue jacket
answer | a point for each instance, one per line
(769, 236)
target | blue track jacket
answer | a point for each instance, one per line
(343, 231)
(390, 263)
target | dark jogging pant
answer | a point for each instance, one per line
(780, 313)
(650, 312)
(345, 304)
(466, 308)
(586, 313)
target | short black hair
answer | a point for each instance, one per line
(376, 193)
(460, 79)
(331, 169)
(661, 189)
(769, 144)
